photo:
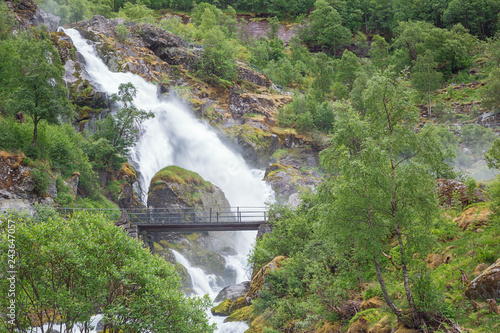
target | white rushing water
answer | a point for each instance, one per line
(175, 137)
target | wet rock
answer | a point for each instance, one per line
(167, 46)
(486, 285)
(247, 103)
(233, 292)
(288, 180)
(223, 309)
(49, 20)
(255, 142)
(264, 228)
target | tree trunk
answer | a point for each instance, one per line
(380, 278)
(381, 281)
(406, 281)
(35, 129)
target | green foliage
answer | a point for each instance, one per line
(135, 11)
(6, 21)
(491, 92)
(37, 84)
(109, 272)
(41, 178)
(217, 63)
(452, 49)
(424, 75)
(379, 51)
(307, 114)
(61, 146)
(122, 32)
(121, 130)
(325, 27)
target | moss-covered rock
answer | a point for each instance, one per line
(258, 280)
(473, 218)
(210, 262)
(183, 273)
(401, 328)
(383, 326)
(372, 303)
(223, 309)
(244, 314)
(362, 321)
(329, 328)
(174, 187)
(257, 325)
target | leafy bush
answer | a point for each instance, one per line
(41, 179)
(122, 32)
(108, 271)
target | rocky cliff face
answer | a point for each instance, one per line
(27, 13)
(244, 114)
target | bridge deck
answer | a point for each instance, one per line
(222, 219)
(186, 219)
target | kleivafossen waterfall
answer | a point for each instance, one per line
(175, 137)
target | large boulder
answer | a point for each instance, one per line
(233, 292)
(486, 285)
(175, 188)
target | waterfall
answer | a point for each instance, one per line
(175, 137)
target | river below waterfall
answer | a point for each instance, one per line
(175, 137)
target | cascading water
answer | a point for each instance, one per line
(175, 137)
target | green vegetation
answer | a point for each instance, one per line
(69, 270)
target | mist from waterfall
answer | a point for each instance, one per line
(175, 137)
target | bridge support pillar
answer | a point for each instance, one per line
(147, 239)
(264, 228)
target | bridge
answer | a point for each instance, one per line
(190, 219)
(181, 219)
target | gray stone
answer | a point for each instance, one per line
(51, 21)
(486, 285)
(233, 292)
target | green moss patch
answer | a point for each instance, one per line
(181, 176)
(243, 314)
(223, 309)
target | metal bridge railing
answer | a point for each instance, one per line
(178, 216)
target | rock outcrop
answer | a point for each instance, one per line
(293, 172)
(451, 190)
(27, 14)
(486, 285)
